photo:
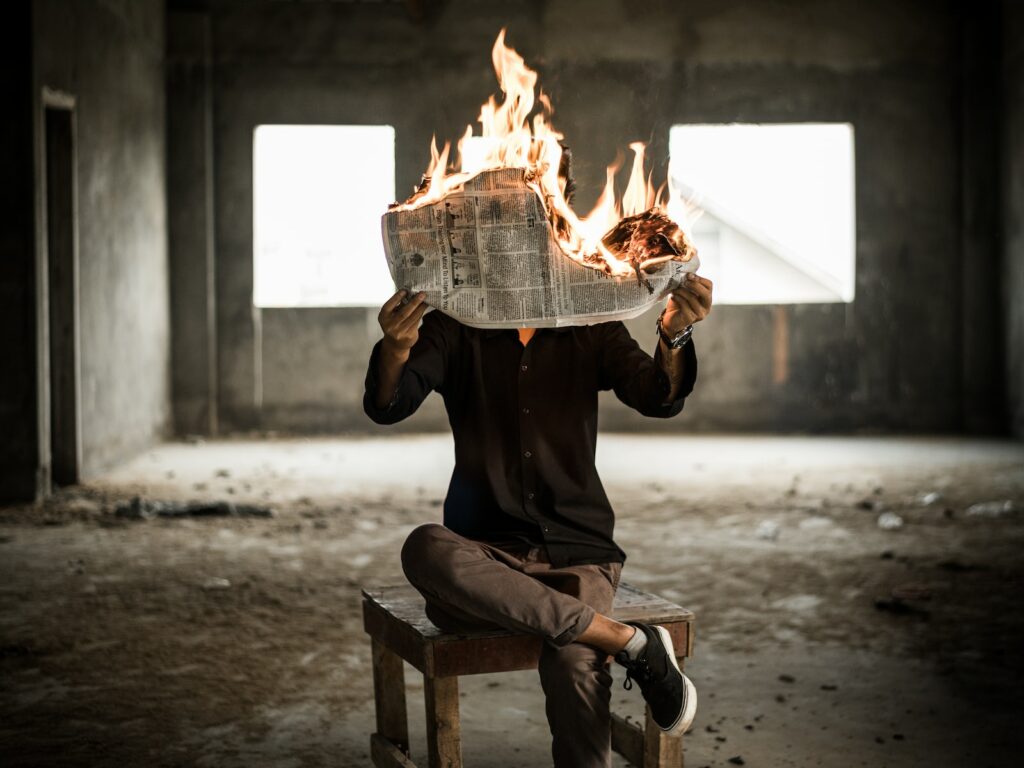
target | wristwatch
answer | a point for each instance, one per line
(679, 340)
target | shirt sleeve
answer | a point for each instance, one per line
(423, 373)
(638, 379)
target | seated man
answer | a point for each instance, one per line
(527, 537)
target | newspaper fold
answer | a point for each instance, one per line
(485, 256)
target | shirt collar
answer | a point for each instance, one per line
(489, 332)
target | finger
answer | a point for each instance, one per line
(403, 313)
(414, 319)
(394, 301)
(702, 292)
(695, 278)
(691, 306)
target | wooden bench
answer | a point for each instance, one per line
(399, 629)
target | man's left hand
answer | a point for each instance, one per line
(688, 304)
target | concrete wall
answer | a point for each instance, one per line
(19, 447)
(1013, 209)
(109, 55)
(894, 359)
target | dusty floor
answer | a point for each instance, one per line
(238, 641)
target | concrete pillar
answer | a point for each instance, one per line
(190, 202)
(1013, 209)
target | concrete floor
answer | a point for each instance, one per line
(238, 642)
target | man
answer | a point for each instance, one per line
(527, 537)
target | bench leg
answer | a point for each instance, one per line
(389, 697)
(444, 739)
(660, 750)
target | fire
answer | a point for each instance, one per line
(617, 236)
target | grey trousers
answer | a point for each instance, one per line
(469, 584)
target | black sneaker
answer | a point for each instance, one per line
(667, 691)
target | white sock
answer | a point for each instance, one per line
(636, 644)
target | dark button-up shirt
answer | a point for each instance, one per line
(525, 426)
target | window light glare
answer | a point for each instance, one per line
(778, 202)
(318, 194)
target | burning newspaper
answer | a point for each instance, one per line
(495, 243)
(485, 255)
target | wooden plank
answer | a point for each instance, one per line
(628, 740)
(660, 749)
(444, 737)
(389, 696)
(482, 655)
(395, 617)
(384, 754)
(631, 604)
(399, 636)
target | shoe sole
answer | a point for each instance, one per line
(689, 710)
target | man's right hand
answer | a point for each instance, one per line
(401, 322)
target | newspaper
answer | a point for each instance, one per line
(485, 255)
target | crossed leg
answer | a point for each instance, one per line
(469, 584)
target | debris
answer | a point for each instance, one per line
(768, 530)
(899, 607)
(829, 687)
(780, 698)
(927, 499)
(991, 509)
(748, 727)
(710, 729)
(868, 504)
(787, 678)
(223, 473)
(955, 566)
(816, 522)
(194, 439)
(737, 760)
(720, 739)
(82, 506)
(887, 555)
(890, 521)
(912, 592)
(139, 508)
(215, 582)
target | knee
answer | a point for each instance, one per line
(420, 551)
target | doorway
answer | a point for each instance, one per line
(62, 294)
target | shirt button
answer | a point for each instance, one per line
(530, 495)
(546, 529)
(526, 410)
(527, 454)
(523, 367)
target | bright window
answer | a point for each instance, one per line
(778, 209)
(318, 194)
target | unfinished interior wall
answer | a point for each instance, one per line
(19, 448)
(891, 360)
(1013, 209)
(109, 57)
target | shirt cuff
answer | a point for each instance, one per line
(678, 382)
(379, 415)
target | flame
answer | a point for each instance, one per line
(510, 139)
